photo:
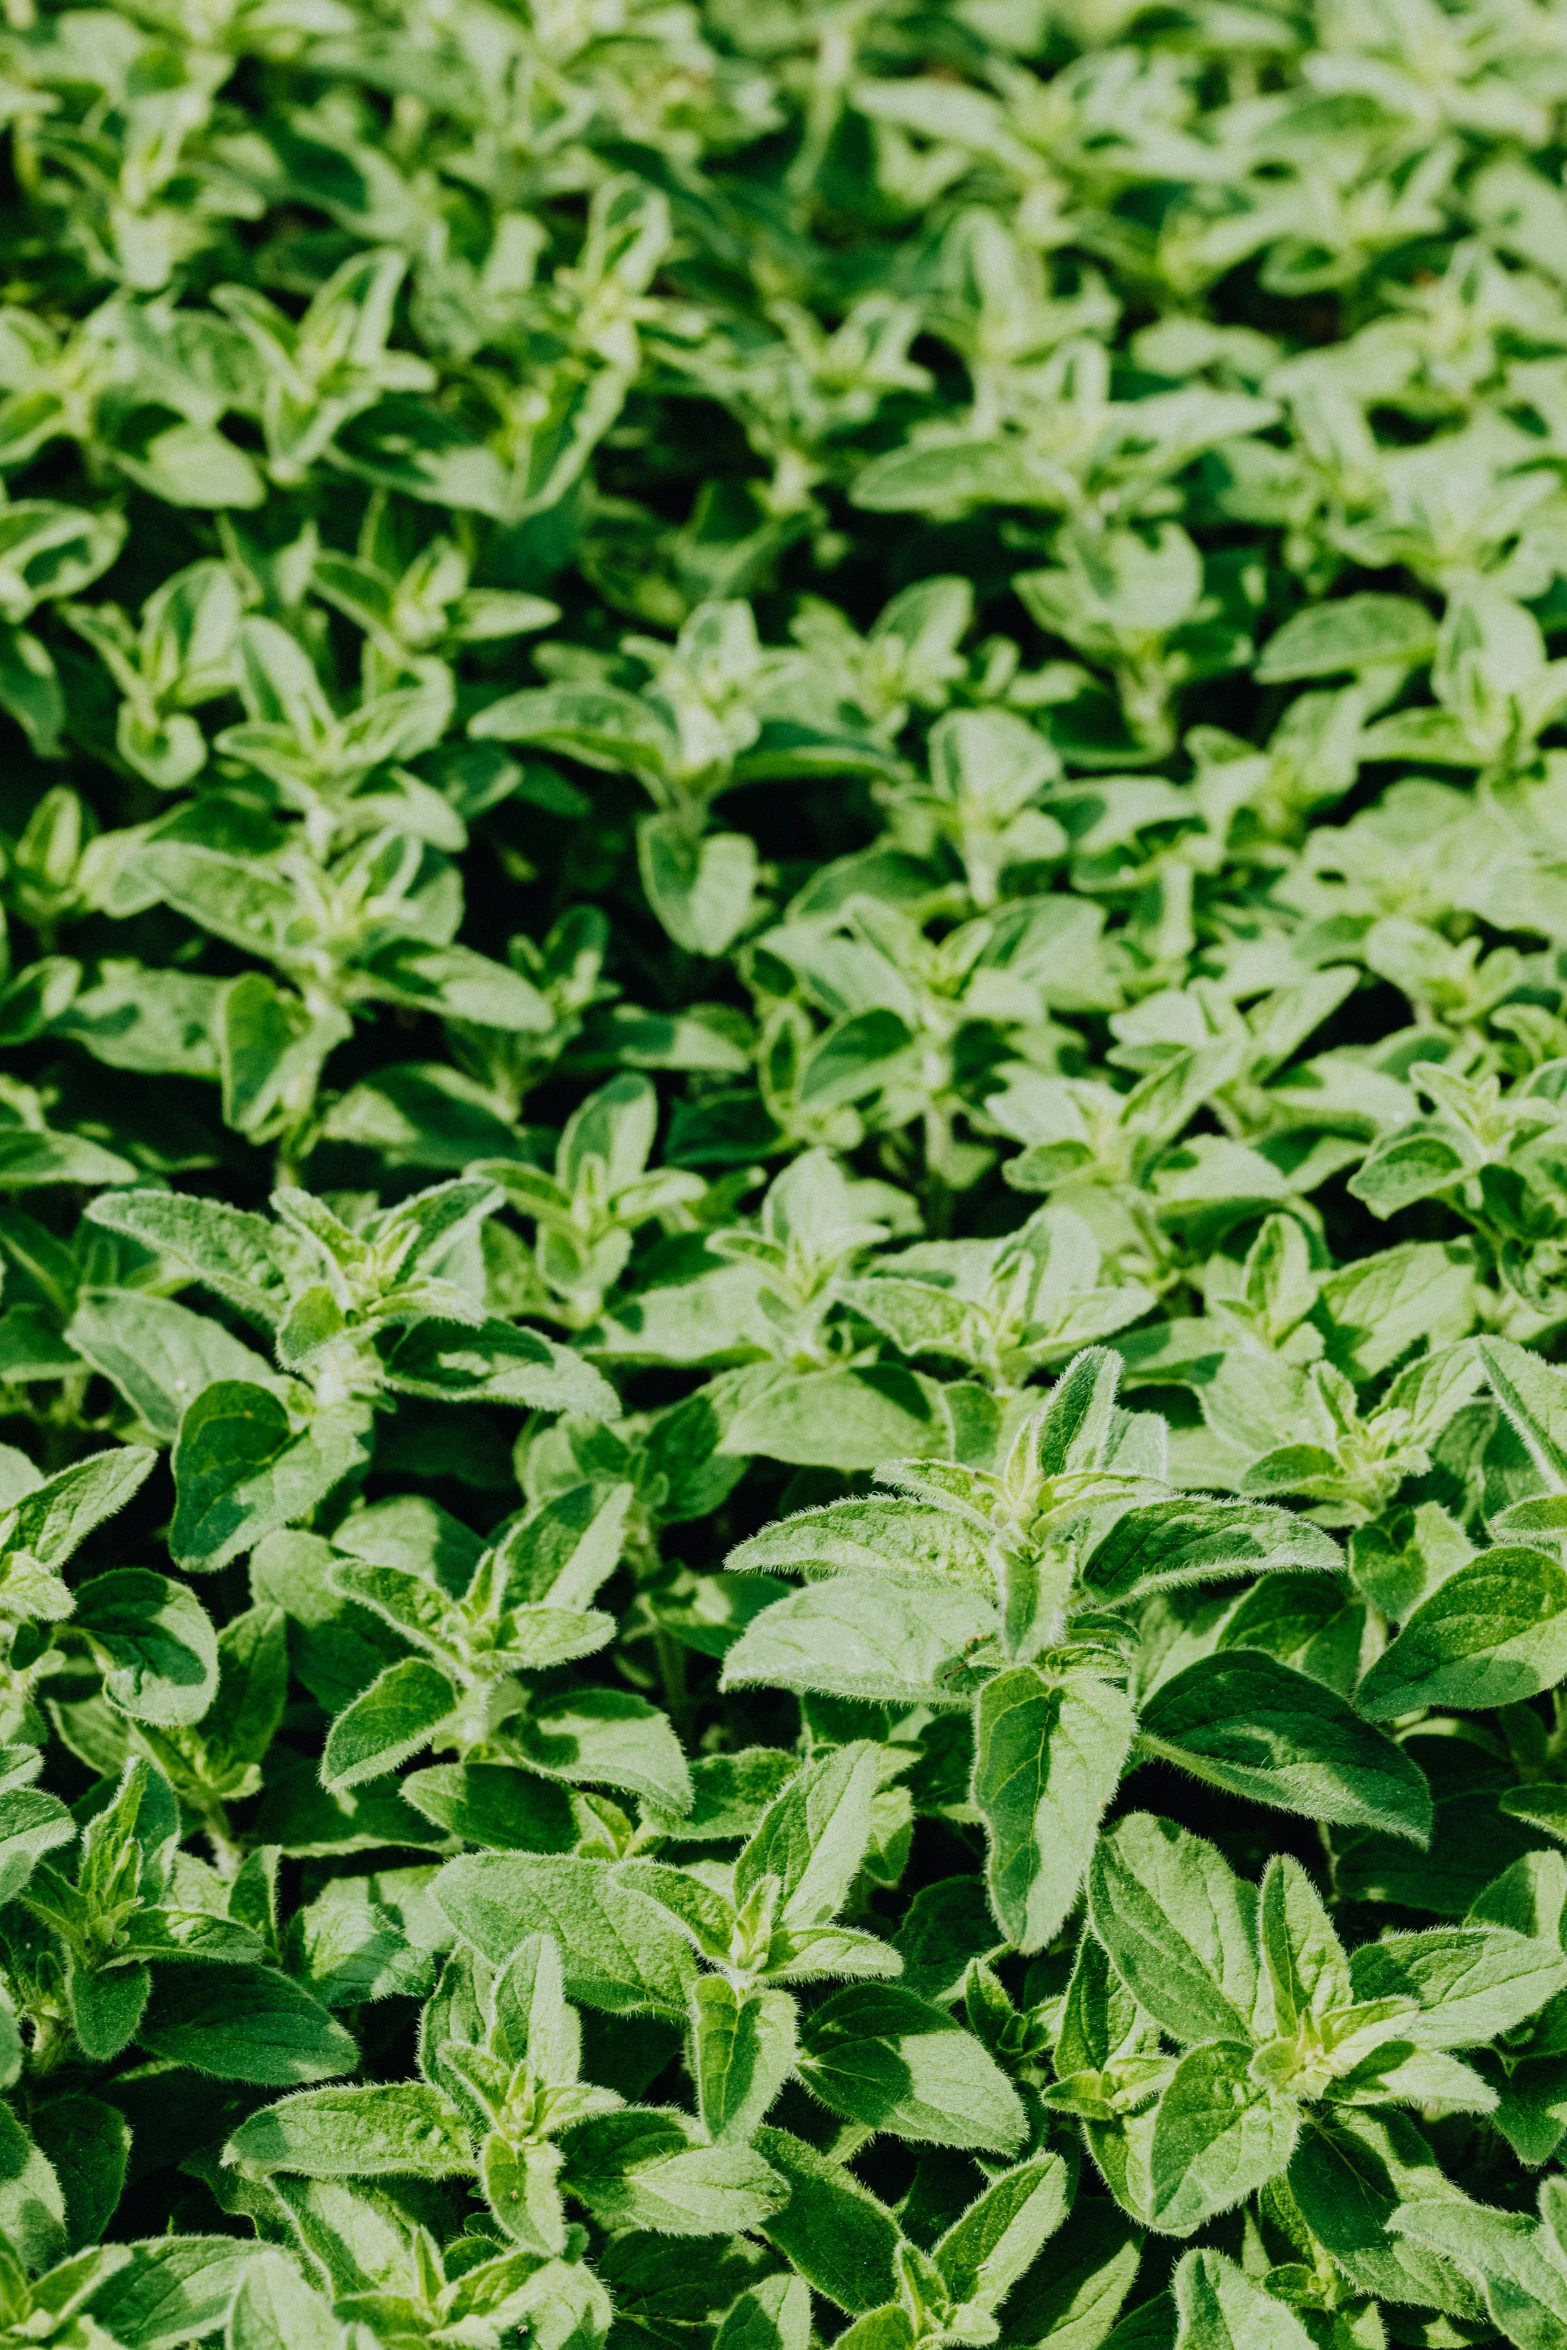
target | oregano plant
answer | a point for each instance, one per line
(783, 1175)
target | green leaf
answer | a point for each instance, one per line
(241, 1471)
(852, 1638)
(1192, 1540)
(813, 1836)
(1492, 1634)
(521, 2187)
(1244, 1722)
(499, 1362)
(888, 2060)
(1179, 1927)
(244, 2023)
(393, 1719)
(607, 1737)
(158, 1353)
(30, 690)
(1302, 1956)
(743, 2046)
(106, 2006)
(1349, 633)
(1218, 2135)
(1534, 1398)
(956, 474)
(1222, 2308)
(1543, 1806)
(401, 2127)
(1350, 2173)
(1472, 1982)
(618, 1949)
(88, 2144)
(493, 1804)
(1048, 1758)
(1411, 1164)
(1074, 2296)
(842, 2241)
(1310, 1622)
(238, 1256)
(700, 889)
(31, 1824)
(54, 1518)
(850, 1419)
(271, 1048)
(774, 2315)
(1518, 2263)
(455, 984)
(173, 2289)
(32, 2206)
(157, 1643)
(274, 2309)
(31, 1158)
(599, 725)
(983, 2254)
(730, 1795)
(650, 2169)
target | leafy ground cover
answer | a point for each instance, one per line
(783, 1515)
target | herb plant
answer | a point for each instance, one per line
(783, 1175)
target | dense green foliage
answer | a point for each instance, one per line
(783, 1503)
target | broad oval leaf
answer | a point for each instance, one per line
(853, 1638)
(244, 2023)
(883, 2057)
(1193, 1539)
(1244, 1722)
(1048, 1759)
(404, 2128)
(1179, 1926)
(1493, 1633)
(620, 1952)
(156, 1639)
